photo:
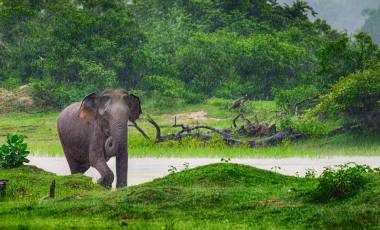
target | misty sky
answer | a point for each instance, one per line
(342, 14)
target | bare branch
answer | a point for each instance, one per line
(141, 130)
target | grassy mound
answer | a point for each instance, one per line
(216, 196)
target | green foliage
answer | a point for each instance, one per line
(13, 154)
(295, 100)
(356, 97)
(310, 173)
(342, 182)
(191, 49)
(207, 61)
(222, 64)
(342, 56)
(270, 62)
(165, 91)
(311, 127)
(80, 46)
(306, 124)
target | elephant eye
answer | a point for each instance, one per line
(105, 99)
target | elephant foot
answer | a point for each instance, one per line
(106, 181)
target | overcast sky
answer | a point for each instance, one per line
(342, 14)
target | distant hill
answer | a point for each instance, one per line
(342, 14)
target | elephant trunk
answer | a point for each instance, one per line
(116, 143)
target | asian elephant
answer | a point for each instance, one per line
(96, 129)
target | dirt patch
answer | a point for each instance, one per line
(270, 202)
(18, 99)
(196, 116)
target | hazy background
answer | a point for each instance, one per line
(342, 14)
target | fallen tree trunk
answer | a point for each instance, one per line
(343, 129)
(276, 138)
(186, 131)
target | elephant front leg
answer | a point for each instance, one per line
(106, 175)
(121, 169)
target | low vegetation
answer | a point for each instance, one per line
(221, 196)
(342, 182)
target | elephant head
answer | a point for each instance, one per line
(111, 110)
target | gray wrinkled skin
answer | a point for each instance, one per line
(96, 129)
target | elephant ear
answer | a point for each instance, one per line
(88, 108)
(134, 107)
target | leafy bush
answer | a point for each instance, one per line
(306, 125)
(165, 91)
(341, 182)
(312, 126)
(296, 99)
(357, 97)
(49, 94)
(13, 154)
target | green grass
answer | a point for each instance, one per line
(217, 196)
(40, 129)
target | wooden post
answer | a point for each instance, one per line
(52, 189)
(3, 187)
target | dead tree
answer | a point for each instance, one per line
(275, 139)
(251, 129)
(186, 131)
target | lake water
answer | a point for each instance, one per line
(145, 169)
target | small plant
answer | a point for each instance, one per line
(225, 160)
(276, 168)
(310, 173)
(172, 169)
(13, 154)
(186, 165)
(342, 182)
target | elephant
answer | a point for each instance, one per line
(96, 129)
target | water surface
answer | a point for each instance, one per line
(145, 169)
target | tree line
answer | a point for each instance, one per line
(181, 50)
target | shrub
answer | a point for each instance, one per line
(342, 182)
(48, 94)
(312, 126)
(13, 154)
(356, 97)
(296, 99)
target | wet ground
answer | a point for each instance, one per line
(147, 168)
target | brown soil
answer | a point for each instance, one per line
(18, 99)
(195, 116)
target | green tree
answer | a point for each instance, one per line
(207, 61)
(343, 56)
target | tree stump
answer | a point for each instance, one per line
(52, 190)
